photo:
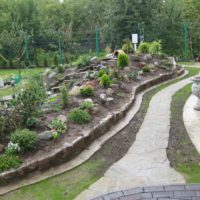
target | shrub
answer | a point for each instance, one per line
(146, 69)
(32, 122)
(30, 100)
(144, 47)
(12, 148)
(46, 65)
(82, 61)
(103, 71)
(127, 46)
(105, 81)
(10, 120)
(8, 161)
(155, 47)
(122, 61)
(87, 91)
(58, 126)
(64, 96)
(133, 75)
(79, 116)
(86, 105)
(60, 69)
(27, 140)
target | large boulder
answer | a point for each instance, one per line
(46, 136)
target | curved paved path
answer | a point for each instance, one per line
(146, 163)
(173, 192)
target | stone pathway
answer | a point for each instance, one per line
(146, 163)
(173, 192)
(191, 119)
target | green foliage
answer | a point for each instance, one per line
(64, 96)
(32, 122)
(87, 91)
(103, 71)
(127, 46)
(46, 65)
(58, 126)
(133, 75)
(87, 105)
(155, 48)
(144, 47)
(12, 149)
(30, 100)
(123, 61)
(8, 162)
(60, 69)
(146, 69)
(27, 140)
(79, 116)
(10, 120)
(82, 61)
(105, 81)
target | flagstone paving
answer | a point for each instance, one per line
(146, 163)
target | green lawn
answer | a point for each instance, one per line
(25, 73)
(186, 63)
(69, 184)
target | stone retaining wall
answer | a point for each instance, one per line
(70, 150)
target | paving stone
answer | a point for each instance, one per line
(174, 187)
(133, 191)
(163, 194)
(154, 189)
(112, 196)
(184, 193)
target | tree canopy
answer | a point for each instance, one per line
(42, 21)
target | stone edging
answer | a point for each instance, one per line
(176, 192)
(70, 150)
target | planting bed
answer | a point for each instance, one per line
(122, 94)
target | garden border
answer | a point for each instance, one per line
(69, 150)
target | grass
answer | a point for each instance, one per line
(186, 63)
(185, 156)
(25, 73)
(69, 184)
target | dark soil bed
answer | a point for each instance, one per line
(181, 151)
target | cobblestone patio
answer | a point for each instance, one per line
(174, 192)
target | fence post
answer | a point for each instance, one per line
(26, 48)
(60, 50)
(97, 41)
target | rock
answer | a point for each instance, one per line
(109, 100)
(1, 83)
(95, 109)
(46, 135)
(103, 97)
(147, 58)
(127, 69)
(62, 118)
(115, 86)
(110, 55)
(2, 147)
(126, 78)
(109, 92)
(89, 100)
(75, 91)
(52, 75)
(49, 93)
(55, 89)
(135, 58)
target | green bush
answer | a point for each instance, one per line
(12, 148)
(82, 61)
(144, 47)
(79, 116)
(10, 120)
(155, 48)
(59, 126)
(87, 91)
(86, 105)
(30, 100)
(64, 96)
(146, 69)
(60, 69)
(46, 65)
(27, 140)
(105, 81)
(103, 71)
(32, 122)
(123, 61)
(8, 162)
(128, 46)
